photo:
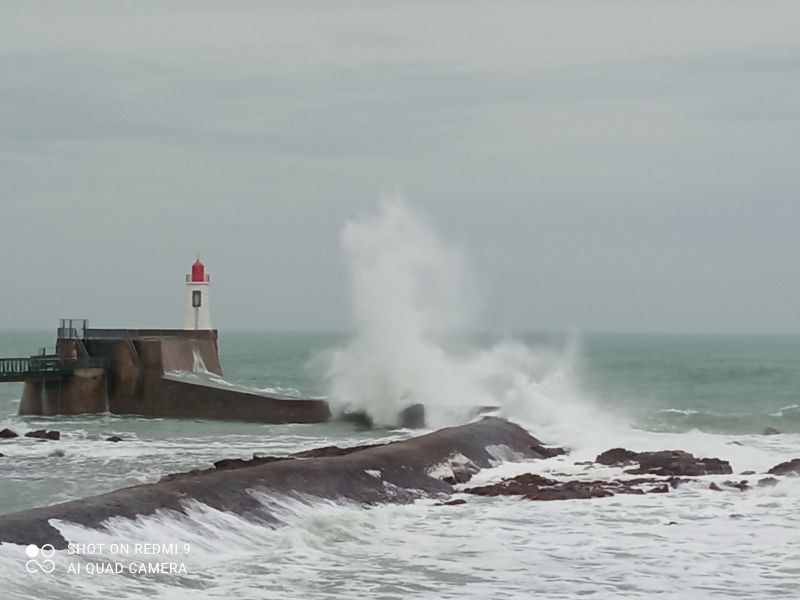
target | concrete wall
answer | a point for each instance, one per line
(173, 398)
(138, 382)
(85, 391)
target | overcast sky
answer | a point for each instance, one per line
(617, 166)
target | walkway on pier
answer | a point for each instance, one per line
(44, 367)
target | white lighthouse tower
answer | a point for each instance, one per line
(198, 315)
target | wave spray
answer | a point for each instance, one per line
(411, 298)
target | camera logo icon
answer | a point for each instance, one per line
(46, 552)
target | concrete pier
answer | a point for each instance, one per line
(137, 372)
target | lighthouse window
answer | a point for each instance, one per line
(196, 298)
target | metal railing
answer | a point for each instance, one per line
(45, 366)
(72, 329)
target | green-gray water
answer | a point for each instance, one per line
(711, 395)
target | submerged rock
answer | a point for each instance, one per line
(739, 485)
(714, 486)
(770, 431)
(791, 467)
(114, 438)
(454, 502)
(43, 434)
(767, 482)
(7, 434)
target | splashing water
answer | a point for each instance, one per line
(411, 295)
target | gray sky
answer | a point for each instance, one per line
(620, 165)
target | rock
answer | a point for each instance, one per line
(549, 451)
(114, 438)
(770, 431)
(739, 485)
(1, 455)
(714, 486)
(578, 493)
(56, 454)
(332, 451)
(767, 482)
(747, 473)
(791, 467)
(616, 456)
(678, 463)
(7, 434)
(238, 463)
(583, 463)
(537, 487)
(42, 434)
(455, 502)
(735, 443)
(413, 417)
(519, 485)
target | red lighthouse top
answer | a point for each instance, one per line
(198, 273)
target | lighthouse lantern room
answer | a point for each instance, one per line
(198, 315)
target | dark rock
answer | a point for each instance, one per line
(7, 434)
(114, 438)
(678, 462)
(360, 418)
(516, 486)
(714, 486)
(616, 456)
(583, 463)
(747, 473)
(672, 523)
(659, 489)
(1, 455)
(56, 454)
(570, 491)
(327, 451)
(238, 463)
(770, 431)
(537, 487)
(739, 485)
(767, 482)
(413, 417)
(42, 434)
(455, 502)
(735, 443)
(791, 467)
(404, 467)
(461, 473)
(549, 451)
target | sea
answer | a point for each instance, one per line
(712, 395)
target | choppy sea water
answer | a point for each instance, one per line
(705, 394)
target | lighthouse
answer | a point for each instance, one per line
(198, 315)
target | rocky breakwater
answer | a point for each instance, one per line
(426, 466)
